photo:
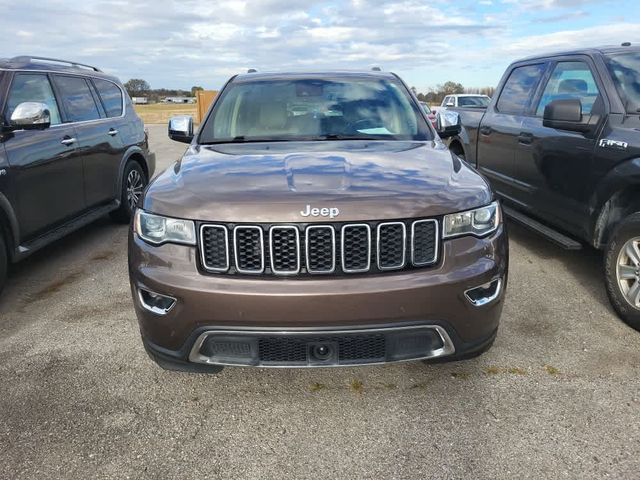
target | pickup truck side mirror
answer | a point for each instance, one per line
(566, 115)
(181, 128)
(30, 116)
(448, 123)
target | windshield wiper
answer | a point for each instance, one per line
(243, 139)
(335, 136)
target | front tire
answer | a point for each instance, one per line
(622, 270)
(134, 181)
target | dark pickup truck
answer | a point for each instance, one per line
(560, 143)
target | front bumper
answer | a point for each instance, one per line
(239, 313)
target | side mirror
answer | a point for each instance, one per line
(448, 123)
(31, 116)
(566, 115)
(181, 128)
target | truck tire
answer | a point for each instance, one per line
(134, 181)
(622, 270)
(4, 261)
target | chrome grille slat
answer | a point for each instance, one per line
(310, 249)
(218, 247)
(423, 254)
(248, 248)
(317, 258)
(355, 254)
(391, 245)
(284, 250)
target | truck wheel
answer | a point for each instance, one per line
(622, 270)
(4, 262)
(134, 181)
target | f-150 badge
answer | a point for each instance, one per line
(618, 145)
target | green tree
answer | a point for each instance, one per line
(136, 87)
(450, 88)
(195, 89)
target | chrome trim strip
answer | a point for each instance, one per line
(235, 248)
(404, 245)
(448, 348)
(333, 248)
(284, 227)
(226, 247)
(152, 309)
(436, 239)
(485, 300)
(357, 270)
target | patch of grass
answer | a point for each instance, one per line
(390, 386)
(551, 370)
(460, 375)
(316, 387)
(517, 371)
(161, 112)
(357, 386)
(492, 370)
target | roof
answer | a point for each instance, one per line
(313, 75)
(43, 64)
(607, 49)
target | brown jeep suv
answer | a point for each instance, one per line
(316, 220)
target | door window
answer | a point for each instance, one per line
(77, 100)
(519, 89)
(32, 87)
(570, 80)
(110, 95)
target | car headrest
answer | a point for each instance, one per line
(573, 85)
(273, 115)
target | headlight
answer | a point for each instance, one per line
(156, 229)
(479, 222)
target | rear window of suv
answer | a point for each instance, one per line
(315, 109)
(76, 98)
(111, 97)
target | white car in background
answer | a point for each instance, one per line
(473, 100)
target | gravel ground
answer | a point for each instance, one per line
(557, 397)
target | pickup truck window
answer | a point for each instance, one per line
(625, 71)
(32, 87)
(570, 80)
(519, 88)
(310, 109)
(473, 101)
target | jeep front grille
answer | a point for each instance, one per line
(296, 249)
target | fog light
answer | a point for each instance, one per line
(484, 294)
(154, 302)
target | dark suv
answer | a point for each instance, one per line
(316, 220)
(71, 150)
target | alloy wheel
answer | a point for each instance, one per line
(135, 186)
(628, 271)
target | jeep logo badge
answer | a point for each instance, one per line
(320, 212)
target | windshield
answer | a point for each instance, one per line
(473, 101)
(625, 70)
(314, 109)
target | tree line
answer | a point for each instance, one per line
(435, 95)
(137, 87)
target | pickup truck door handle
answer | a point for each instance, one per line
(68, 141)
(525, 138)
(113, 132)
(485, 130)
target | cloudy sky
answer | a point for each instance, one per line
(177, 44)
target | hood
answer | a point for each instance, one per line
(281, 181)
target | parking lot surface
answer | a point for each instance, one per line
(558, 396)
